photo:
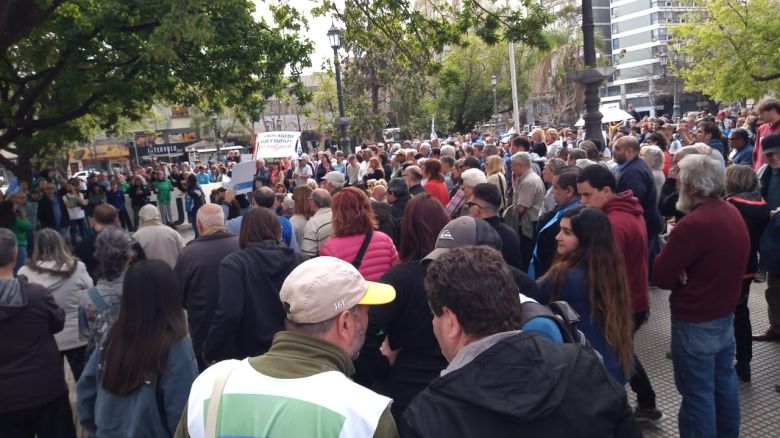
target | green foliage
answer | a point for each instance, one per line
(68, 68)
(731, 50)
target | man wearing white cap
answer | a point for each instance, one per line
(333, 181)
(300, 387)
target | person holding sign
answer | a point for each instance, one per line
(303, 172)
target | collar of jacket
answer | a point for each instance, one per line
(307, 354)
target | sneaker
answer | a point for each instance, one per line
(648, 415)
(760, 277)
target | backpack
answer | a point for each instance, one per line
(564, 317)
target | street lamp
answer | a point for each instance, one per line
(591, 77)
(495, 104)
(334, 36)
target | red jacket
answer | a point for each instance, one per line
(438, 189)
(379, 257)
(713, 262)
(628, 226)
(758, 151)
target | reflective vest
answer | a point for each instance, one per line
(323, 405)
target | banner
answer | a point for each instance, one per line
(243, 178)
(276, 144)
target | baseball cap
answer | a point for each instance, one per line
(321, 288)
(463, 231)
(770, 143)
(334, 177)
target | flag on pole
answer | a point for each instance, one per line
(433, 129)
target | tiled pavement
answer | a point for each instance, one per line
(759, 401)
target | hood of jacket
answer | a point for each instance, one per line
(12, 300)
(270, 256)
(625, 202)
(751, 205)
(540, 379)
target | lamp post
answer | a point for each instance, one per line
(215, 125)
(495, 104)
(676, 104)
(334, 36)
(591, 77)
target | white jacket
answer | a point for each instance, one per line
(66, 292)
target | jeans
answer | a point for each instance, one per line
(640, 382)
(193, 220)
(743, 330)
(703, 358)
(80, 226)
(165, 213)
(773, 301)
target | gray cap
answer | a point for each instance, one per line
(464, 231)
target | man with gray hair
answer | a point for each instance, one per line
(703, 267)
(197, 270)
(33, 393)
(528, 200)
(667, 205)
(413, 176)
(158, 241)
(318, 229)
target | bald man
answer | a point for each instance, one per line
(197, 270)
(318, 229)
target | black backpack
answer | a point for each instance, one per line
(560, 312)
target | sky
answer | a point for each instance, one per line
(317, 33)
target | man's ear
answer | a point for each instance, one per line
(451, 326)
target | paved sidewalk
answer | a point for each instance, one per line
(759, 401)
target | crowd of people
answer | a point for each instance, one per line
(397, 290)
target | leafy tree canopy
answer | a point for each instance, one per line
(731, 49)
(68, 67)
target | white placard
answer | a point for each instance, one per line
(276, 144)
(243, 177)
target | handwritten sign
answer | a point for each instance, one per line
(277, 144)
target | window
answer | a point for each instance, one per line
(178, 112)
(616, 44)
(615, 28)
(614, 12)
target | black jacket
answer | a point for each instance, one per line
(398, 207)
(510, 241)
(139, 195)
(523, 386)
(545, 244)
(30, 364)
(416, 189)
(85, 251)
(637, 176)
(667, 204)
(755, 212)
(406, 322)
(249, 311)
(197, 270)
(46, 212)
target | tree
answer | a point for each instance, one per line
(69, 67)
(397, 45)
(730, 49)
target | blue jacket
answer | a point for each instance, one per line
(116, 198)
(769, 247)
(575, 292)
(636, 175)
(137, 414)
(744, 156)
(288, 237)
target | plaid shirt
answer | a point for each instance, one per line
(455, 204)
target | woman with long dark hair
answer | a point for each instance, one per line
(405, 324)
(354, 225)
(137, 383)
(589, 273)
(53, 266)
(249, 312)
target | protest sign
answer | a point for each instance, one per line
(243, 177)
(276, 144)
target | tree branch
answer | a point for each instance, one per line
(139, 27)
(80, 111)
(767, 78)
